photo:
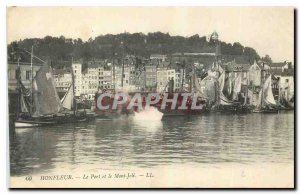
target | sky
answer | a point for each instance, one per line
(269, 30)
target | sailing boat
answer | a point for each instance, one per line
(286, 98)
(67, 100)
(232, 88)
(41, 105)
(266, 102)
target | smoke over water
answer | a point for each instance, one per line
(148, 114)
(148, 119)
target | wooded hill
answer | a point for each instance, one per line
(137, 44)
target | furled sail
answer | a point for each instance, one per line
(237, 87)
(222, 81)
(198, 88)
(45, 98)
(268, 97)
(24, 98)
(284, 102)
(227, 91)
(287, 91)
(208, 88)
(24, 108)
(67, 100)
(254, 98)
(223, 99)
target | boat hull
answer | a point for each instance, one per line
(46, 121)
(25, 124)
(265, 111)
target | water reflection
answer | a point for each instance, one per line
(128, 143)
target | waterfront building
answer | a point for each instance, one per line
(77, 72)
(63, 80)
(128, 78)
(25, 70)
(92, 84)
(85, 82)
(84, 85)
(140, 79)
(178, 81)
(285, 80)
(162, 79)
(150, 77)
(281, 66)
(235, 69)
(164, 76)
(159, 57)
(107, 81)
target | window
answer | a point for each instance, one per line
(286, 80)
(27, 75)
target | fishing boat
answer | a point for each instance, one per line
(286, 98)
(41, 106)
(287, 104)
(265, 103)
(227, 90)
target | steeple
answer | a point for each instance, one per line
(215, 36)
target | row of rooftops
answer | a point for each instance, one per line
(230, 67)
(178, 61)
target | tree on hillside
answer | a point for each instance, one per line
(267, 59)
(137, 44)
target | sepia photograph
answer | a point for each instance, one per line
(150, 97)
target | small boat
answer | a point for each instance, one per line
(284, 101)
(226, 91)
(41, 106)
(28, 123)
(266, 102)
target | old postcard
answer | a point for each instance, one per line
(151, 97)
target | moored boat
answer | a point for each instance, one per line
(265, 102)
(41, 106)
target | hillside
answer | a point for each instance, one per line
(138, 44)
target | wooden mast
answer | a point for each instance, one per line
(31, 79)
(73, 90)
(246, 93)
(18, 89)
(114, 68)
(262, 80)
(123, 55)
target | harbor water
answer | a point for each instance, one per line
(129, 143)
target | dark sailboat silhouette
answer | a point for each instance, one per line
(40, 105)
